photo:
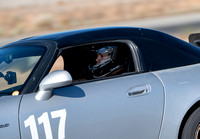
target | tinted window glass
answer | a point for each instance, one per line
(16, 64)
(158, 55)
(97, 61)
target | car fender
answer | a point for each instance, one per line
(181, 93)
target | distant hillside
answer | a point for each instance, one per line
(22, 16)
(22, 3)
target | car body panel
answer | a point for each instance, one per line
(180, 96)
(98, 110)
(9, 118)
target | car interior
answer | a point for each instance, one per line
(77, 61)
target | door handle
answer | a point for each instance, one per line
(139, 90)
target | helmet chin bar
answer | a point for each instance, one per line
(111, 72)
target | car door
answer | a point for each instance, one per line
(124, 107)
(121, 106)
(127, 104)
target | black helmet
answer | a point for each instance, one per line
(106, 62)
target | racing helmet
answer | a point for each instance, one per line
(105, 63)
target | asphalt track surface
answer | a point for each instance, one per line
(174, 25)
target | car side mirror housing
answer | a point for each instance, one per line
(55, 79)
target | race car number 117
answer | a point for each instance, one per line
(44, 119)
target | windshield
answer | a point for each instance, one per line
(16, 64)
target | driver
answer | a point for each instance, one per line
(106, 62)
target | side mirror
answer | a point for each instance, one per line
(53, 80)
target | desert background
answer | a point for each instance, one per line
(24, 18)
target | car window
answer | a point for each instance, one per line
(159, 55)
(97, 61)
(16, 64)
(58, 65)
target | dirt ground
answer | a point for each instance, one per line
(64, 15)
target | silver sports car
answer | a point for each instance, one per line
(102, 83)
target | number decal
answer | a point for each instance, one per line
(61, 129)
(31, 122)
(44, 119)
